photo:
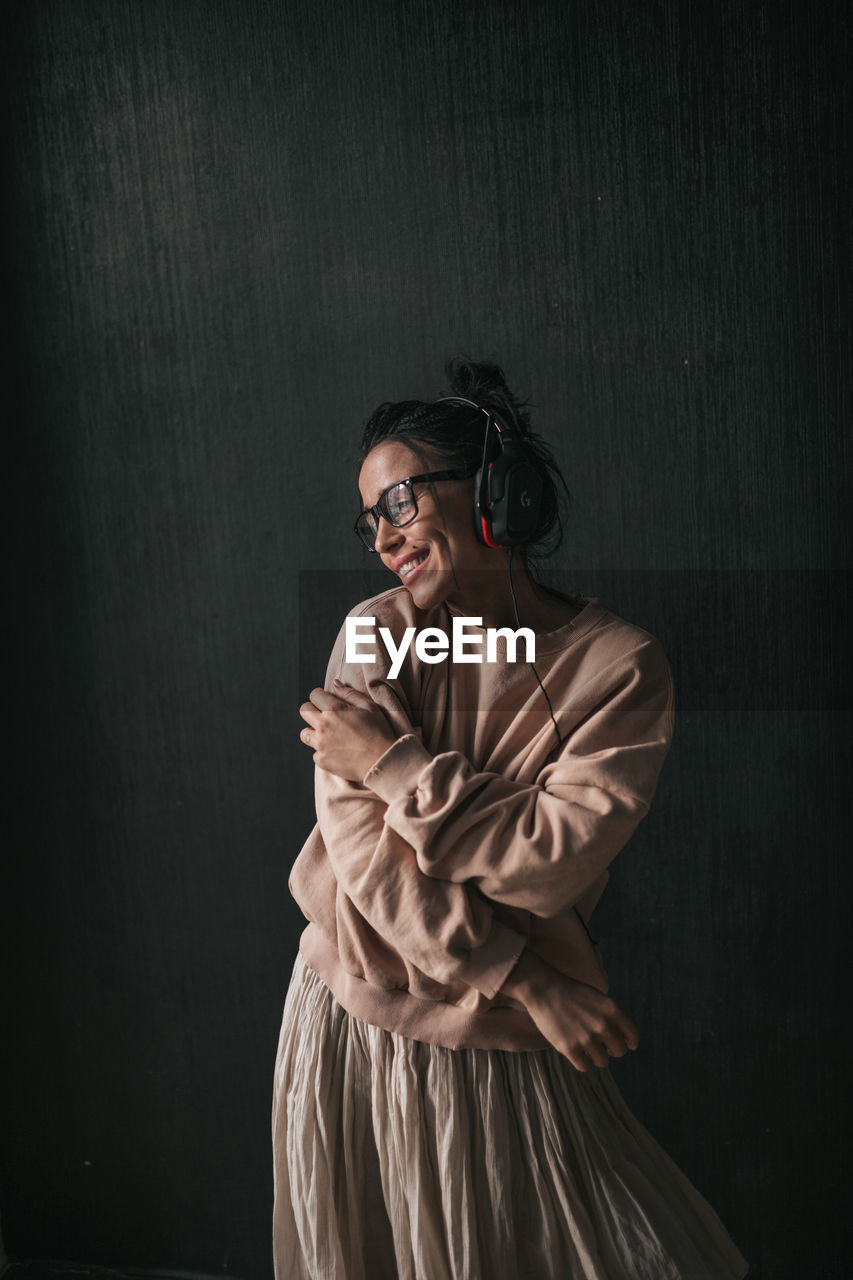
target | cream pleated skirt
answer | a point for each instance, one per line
(395, 1159)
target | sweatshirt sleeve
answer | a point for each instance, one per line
(448, 931)
(539, 846)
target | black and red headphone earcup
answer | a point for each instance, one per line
(509, 498)
(518, 495)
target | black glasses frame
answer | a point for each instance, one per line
(380, 508)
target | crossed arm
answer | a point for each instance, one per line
(420, 843)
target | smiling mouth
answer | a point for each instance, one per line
(410, 568)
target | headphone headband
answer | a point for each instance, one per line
(458, 400)
(509, 488)
(504, 431)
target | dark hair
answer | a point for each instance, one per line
(455, 434)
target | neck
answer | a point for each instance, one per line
(486, 594)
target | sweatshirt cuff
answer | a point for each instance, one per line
(397, 770)
(491, 964)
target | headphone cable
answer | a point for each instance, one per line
(593, 941)
(530, 664)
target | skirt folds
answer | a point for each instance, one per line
(395, 1159)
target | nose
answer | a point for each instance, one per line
(388, 536)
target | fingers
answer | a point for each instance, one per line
(579, 1060)
(313, 716)
(316, 712)
(605, 1033)
(632, 1039)
(612, 1041)
(626, 1028)
(611, 1027)
(596, 1053)
(620, 1036)
(353, 696)
(319, 701)
(323, 700)
(310, 714)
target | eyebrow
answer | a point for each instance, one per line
(384, 489)
(381, 491)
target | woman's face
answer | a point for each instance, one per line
(438, 554)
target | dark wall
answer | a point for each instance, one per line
(229, 231)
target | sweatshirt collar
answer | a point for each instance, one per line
(552, 641)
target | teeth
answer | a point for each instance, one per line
(411, 564)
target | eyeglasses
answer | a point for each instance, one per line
(398, 504)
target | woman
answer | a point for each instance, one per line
(443, 1106)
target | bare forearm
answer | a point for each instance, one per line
(526, 977)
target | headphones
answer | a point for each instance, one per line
(509, 488)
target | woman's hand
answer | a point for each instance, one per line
(347, 731)
(581, 1022)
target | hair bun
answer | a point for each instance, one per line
(484, 382)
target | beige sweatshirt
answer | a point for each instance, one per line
(476, 834)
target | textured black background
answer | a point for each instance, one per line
(230, 229)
